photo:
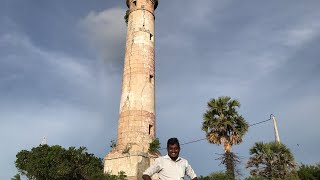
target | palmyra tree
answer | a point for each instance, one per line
(270, 160)
(223, 125)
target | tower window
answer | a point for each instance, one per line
(151, 130)
(151, 37)
(150, 77)
(135, 2)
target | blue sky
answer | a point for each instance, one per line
(61, 71)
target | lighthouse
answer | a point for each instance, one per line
(136, 123)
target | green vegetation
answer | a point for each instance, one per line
(113, 144)
(254, 178)
(223, 125)
(271, 160)
(217, 176)
(126, 16)
(309, 172)
(121, 176)
(154, 146)
(16, 177)
(58, 163)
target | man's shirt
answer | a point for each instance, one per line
(168, 169)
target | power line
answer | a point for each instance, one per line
(194, 141)
(259, 122)
(190, 142)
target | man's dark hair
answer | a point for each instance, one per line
(173, 141)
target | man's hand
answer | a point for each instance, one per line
(147, 177)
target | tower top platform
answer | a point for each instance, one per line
(155, 3)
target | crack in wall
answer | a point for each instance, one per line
(145, 60)
(127, 101)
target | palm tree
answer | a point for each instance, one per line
(270, 160)
(223, 125)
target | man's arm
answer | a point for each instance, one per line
(154, 168)
(190, 172)
(146, 177)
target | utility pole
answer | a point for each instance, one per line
(277, 138)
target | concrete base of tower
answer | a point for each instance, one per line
(133, 164)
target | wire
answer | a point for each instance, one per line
(190, 142)
(194, 141)
(259, 122)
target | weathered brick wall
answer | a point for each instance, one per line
(137, 105)
(136, 126)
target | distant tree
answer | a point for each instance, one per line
(271, 160)
(309, 172)
(291, 176)
(254, 178)
(203, 178)
(57, 163)
(223, 125)
(220, 176)
(216, 176)
(121, 176)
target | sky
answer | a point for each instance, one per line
(61, 65)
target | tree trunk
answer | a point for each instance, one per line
(229, 160)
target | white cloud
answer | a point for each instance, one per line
(302, 34)
(303, 30)
(106, 32)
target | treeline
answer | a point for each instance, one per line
(57, 163)
(304, 172)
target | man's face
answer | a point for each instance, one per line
(173, 151)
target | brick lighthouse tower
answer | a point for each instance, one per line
(136, 125)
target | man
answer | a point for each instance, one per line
(171, 166)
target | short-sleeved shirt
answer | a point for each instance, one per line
(168, 169)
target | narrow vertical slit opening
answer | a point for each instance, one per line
(150, 128)
(150, 77)
(134, 2)
(151, 37)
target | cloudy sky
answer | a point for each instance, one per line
(61, 71)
